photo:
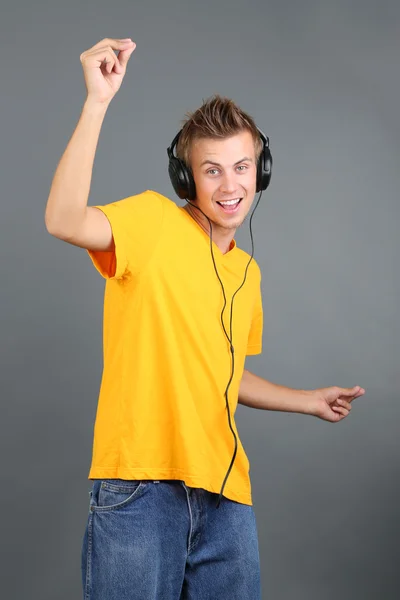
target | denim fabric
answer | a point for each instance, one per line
(150, 540)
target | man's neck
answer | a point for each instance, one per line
(222, 237)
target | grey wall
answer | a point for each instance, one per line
(321, 79)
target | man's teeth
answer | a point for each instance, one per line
(229, 202)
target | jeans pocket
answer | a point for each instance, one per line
(112, 494)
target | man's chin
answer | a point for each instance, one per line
(231, 223)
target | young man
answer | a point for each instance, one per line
(165, 443)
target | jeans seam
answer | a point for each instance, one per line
(89, 559)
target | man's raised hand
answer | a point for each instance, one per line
(104, 70)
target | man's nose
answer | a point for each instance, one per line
(228, 184)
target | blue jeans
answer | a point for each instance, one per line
(150, 540)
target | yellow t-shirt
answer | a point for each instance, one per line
(161, 411)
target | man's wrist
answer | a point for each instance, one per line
(308, 402)
(95, 108)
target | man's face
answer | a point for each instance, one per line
(224, 170)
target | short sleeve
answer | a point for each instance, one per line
(136, 223)
(254, 345)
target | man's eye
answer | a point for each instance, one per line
(243, 167)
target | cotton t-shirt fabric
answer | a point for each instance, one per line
(161, 411)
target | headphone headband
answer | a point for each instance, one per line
(174, 142)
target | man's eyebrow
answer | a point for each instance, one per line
(211, 162)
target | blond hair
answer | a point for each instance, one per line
(217, 118)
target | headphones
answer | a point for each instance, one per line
(183, 183)
(182, 178)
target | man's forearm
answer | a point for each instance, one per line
(68, 197)
(260, 393)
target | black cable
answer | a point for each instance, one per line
(231, 330)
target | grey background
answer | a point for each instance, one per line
(321, 78)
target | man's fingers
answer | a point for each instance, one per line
(354, 391)
(344, 403)
(341, 410)
(115, 43)
(125, 54)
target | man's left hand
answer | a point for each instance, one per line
(334, 403)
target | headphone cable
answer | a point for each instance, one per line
(232, 350)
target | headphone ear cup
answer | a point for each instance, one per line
(181, 179)
(191, 186)
(264, 168)
(176, 176)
